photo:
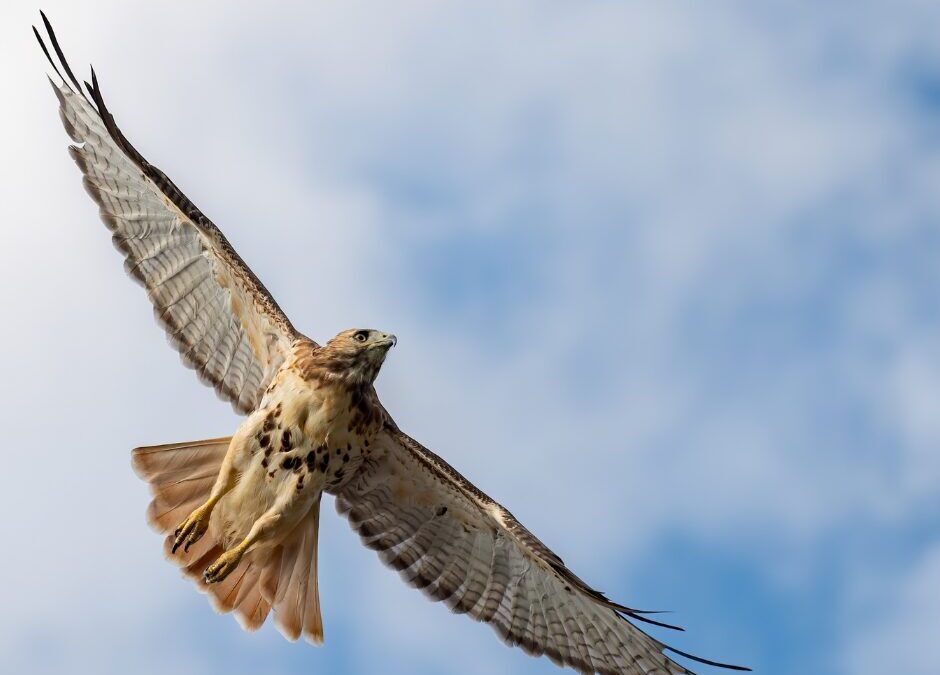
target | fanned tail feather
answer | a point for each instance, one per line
(181, 476)
(294, 589)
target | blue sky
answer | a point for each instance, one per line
(693, 245)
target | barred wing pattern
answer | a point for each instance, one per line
(215, 311)
(458, 546)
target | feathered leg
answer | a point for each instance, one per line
(196, 523)
(267, 529)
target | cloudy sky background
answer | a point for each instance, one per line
(665, 282)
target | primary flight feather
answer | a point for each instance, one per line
(240, 514)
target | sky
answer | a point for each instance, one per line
(692, 245)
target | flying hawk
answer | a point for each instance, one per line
(240, 514)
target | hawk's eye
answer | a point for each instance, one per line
(362, 335)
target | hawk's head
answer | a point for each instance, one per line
(357, 354)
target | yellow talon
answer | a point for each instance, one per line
(191, 530)
(224, 565)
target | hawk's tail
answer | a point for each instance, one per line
(181, 476)
(290, 583)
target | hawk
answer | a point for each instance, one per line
(240, 514)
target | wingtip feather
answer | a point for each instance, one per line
(58, 50)
(707, 662)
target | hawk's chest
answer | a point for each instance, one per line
(316, 431)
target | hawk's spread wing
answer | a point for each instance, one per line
(215, 311)
(459, 546)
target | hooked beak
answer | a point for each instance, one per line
(387, 340)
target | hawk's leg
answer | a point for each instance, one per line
(273, 523)
(196, 523)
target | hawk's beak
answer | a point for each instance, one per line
(387, 341)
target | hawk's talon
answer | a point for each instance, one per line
(223, 566)
(191, 530)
